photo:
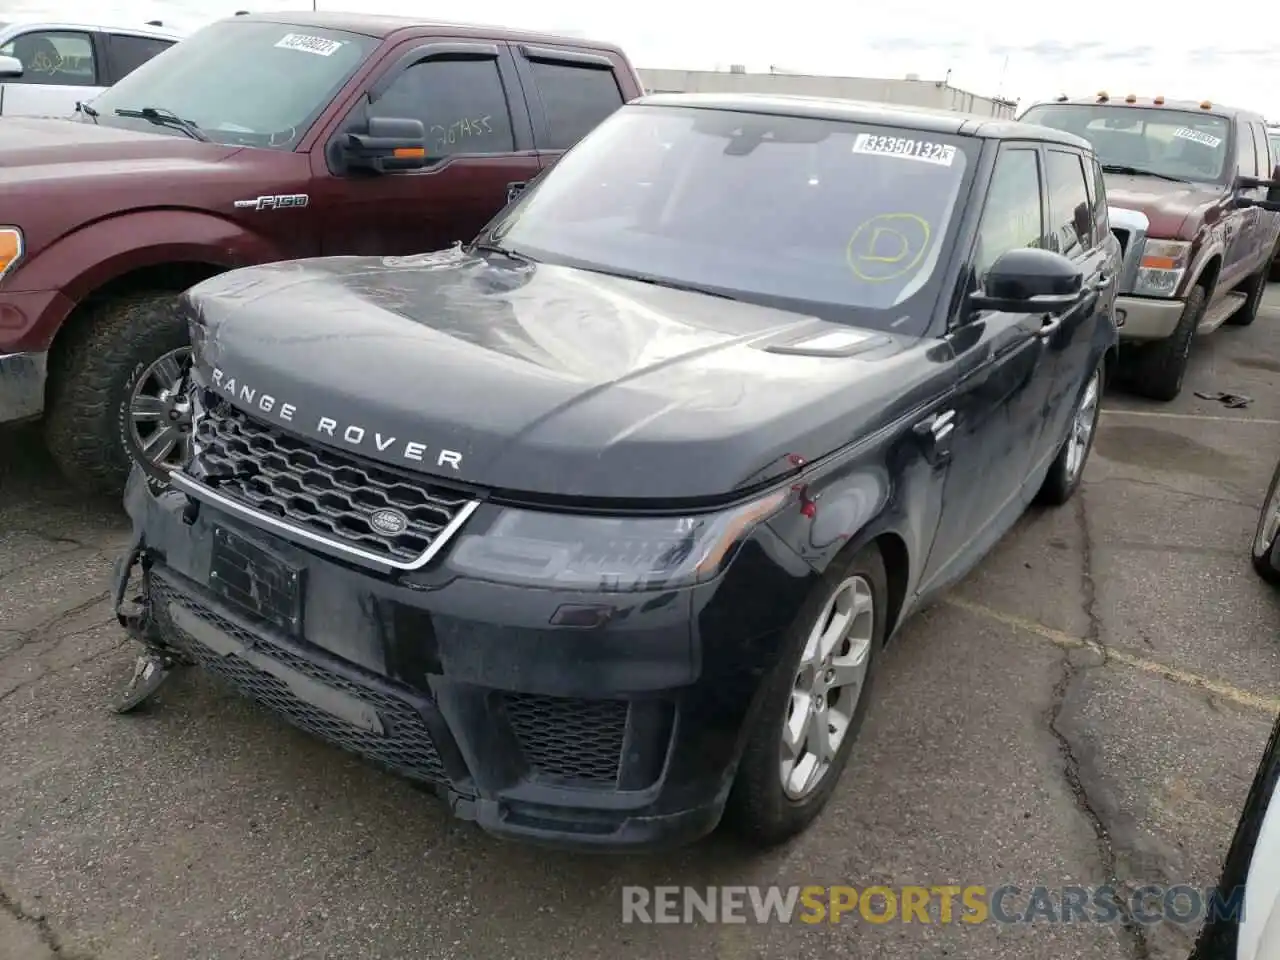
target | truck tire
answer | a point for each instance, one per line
(761, 810)
(1157, 370)
(1256, 287)
(115, 360)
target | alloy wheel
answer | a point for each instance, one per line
(1082, 427)
(828, 687)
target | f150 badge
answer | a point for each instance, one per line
(284, 201)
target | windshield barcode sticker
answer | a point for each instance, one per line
(316, 45)
(940, 153)
(1208, 139)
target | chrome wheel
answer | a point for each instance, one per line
(1082, 425)
(160, 412)
(1268, 524)
(828, 686)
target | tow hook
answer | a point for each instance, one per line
(154, 665)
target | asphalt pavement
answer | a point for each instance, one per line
(1087, 708)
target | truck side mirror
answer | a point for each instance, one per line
(10, 67)
(389, 144)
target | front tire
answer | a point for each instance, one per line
(814, 705)
(1067, 469)
(116, 399)
(1267, 532)
(1158, 368)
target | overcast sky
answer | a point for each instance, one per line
(991, 46)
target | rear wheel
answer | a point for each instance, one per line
(1156, 370)
(1255, 289)
(1268, 530)
(814, 706)
(1067, 469)
(117, 396)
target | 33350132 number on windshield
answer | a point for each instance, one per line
(905, 147)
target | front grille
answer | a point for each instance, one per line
(324, 491)
(406, 745)
(567, 738)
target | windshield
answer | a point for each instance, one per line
(256, 84)
(839, 220)
(1171, 143)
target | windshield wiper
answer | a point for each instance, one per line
(662, 282)
(489, 246)
(166, 118)
(88, 111)
(1138, 172)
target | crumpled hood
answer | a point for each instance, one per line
(33, 149)
(1174, 209)
(542, 379)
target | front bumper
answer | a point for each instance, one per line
(1147, 318)
(617, 736)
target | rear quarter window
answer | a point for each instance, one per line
(575, 98)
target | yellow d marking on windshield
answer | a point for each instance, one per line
(888, 246)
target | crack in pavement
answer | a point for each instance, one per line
(48, 936)
(1177, 491)
(1134, 932)
(55, 671)
(45, 629)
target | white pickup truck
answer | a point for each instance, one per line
(45, 67)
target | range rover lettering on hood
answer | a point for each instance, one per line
(352, 434)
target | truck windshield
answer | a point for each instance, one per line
(241, 82)
(839, 220)
(1164, 142)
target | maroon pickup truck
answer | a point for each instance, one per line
(260, 138)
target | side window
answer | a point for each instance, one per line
(1261, 148)
(53, 58)
(1012, 217)
(461, 103)
(575, 99)
(1097, 198)
(1071, 217)
(126, 52)
(1246, 155)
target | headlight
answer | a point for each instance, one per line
(608, 554)
(1163, 264)
(10, 249)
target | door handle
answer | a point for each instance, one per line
(515, 189)
(1104, 281)
(937, 426)
(1050, 326)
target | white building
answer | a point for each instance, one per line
(911, 91)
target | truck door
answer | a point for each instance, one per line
(479, 140)
(59, 67)
(568, 92)
(1242, 225)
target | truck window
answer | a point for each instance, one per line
(226, 78)
(1097, 198)
(1012, 217)
(1246, 153)
(127, 52)
(1260, 146)
(461, 103)
(575, 98)
(53, 57)
(1070, 217)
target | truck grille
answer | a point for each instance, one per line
(406, 745)
(324, 491)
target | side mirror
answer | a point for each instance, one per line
(1028, 280)
(10, 67)
(390, 143)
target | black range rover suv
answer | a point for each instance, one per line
(599, 523)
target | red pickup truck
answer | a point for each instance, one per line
(260, 138)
